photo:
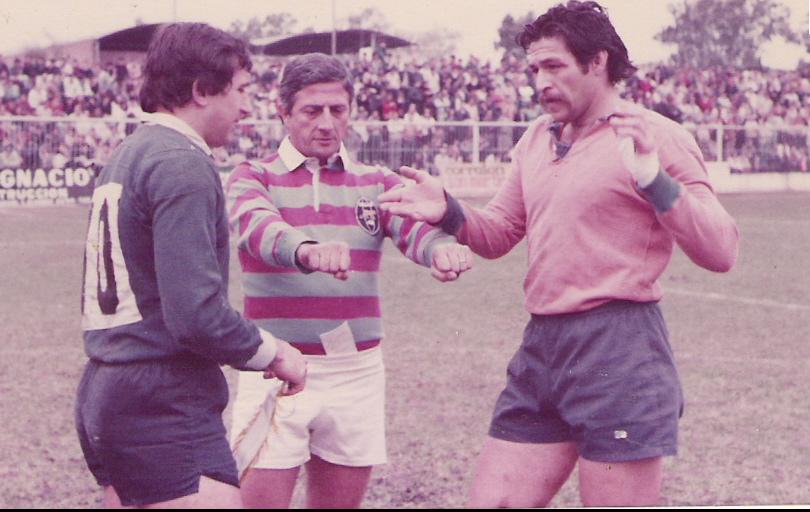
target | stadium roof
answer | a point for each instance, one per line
(347, 41)
(134, 39)
(137, 39)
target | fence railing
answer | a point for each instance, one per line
(64, 142)
(755, 148)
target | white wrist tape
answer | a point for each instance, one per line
(265, 354)
(643, 167)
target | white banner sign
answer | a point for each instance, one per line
(41, 186)
(473, 180)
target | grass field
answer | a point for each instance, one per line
(741, 340)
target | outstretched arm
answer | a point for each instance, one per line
(263, 233)
(330, 257)
(490, 232)
(423, 201)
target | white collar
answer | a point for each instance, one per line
(178, 125)
(293, 158)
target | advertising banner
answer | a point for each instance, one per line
(473, 180)
(41, 186)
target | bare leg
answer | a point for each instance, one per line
(269, 488)
(629, 484)
(520, 474)
(111, 499)
(335, 486)
(212, 494)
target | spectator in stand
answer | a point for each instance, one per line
(447, 156)
(447, 88)
(10, 158)
(413, 137)
(715, 95)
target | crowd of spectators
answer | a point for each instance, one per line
(410, 109)
(742, 101)
(34, 86)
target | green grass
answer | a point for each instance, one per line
(740, 340)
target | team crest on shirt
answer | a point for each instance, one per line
(367, 215)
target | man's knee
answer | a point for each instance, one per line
(632, 483)
(269, 488)
(494, 488)
(336, 486)
(520, 474)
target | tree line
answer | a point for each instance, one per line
(704, 33)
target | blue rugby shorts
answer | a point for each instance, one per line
(151, 429)
(603, 378)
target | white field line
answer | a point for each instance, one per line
(398, 259)
(42, 243)
(11, 212)
(735, 298)
(757, 221)
(757, 362)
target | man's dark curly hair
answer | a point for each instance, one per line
(182, 53)
(586, 30)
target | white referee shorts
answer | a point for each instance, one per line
(339, 416)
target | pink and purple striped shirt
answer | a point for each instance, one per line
(280, 202)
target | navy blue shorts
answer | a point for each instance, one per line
(604, 379)
(151, 429)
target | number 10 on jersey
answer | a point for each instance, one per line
(107, 297)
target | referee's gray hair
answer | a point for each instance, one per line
(309, 69)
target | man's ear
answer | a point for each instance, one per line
(282, 111)
(599, 63)
(197, 96)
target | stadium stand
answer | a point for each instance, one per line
(409, 110)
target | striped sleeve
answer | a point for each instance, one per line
(416, 240)
(257, 222)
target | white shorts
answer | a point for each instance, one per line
(339, 416)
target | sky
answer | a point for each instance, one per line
(33, 23)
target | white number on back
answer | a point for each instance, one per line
(107, 297)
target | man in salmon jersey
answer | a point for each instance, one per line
(602, 190)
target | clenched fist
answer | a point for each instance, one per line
(330, 257)
(290, 366)
(449, 261)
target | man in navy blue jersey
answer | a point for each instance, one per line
(155, 313)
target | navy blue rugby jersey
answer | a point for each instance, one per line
(156, 258)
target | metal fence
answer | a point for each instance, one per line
(64, 142)
(755, 148)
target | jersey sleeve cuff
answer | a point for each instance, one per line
(454, 216)
(302, 268)
(440, 239)
(662, 192)
(266, 353)
(288, 245)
